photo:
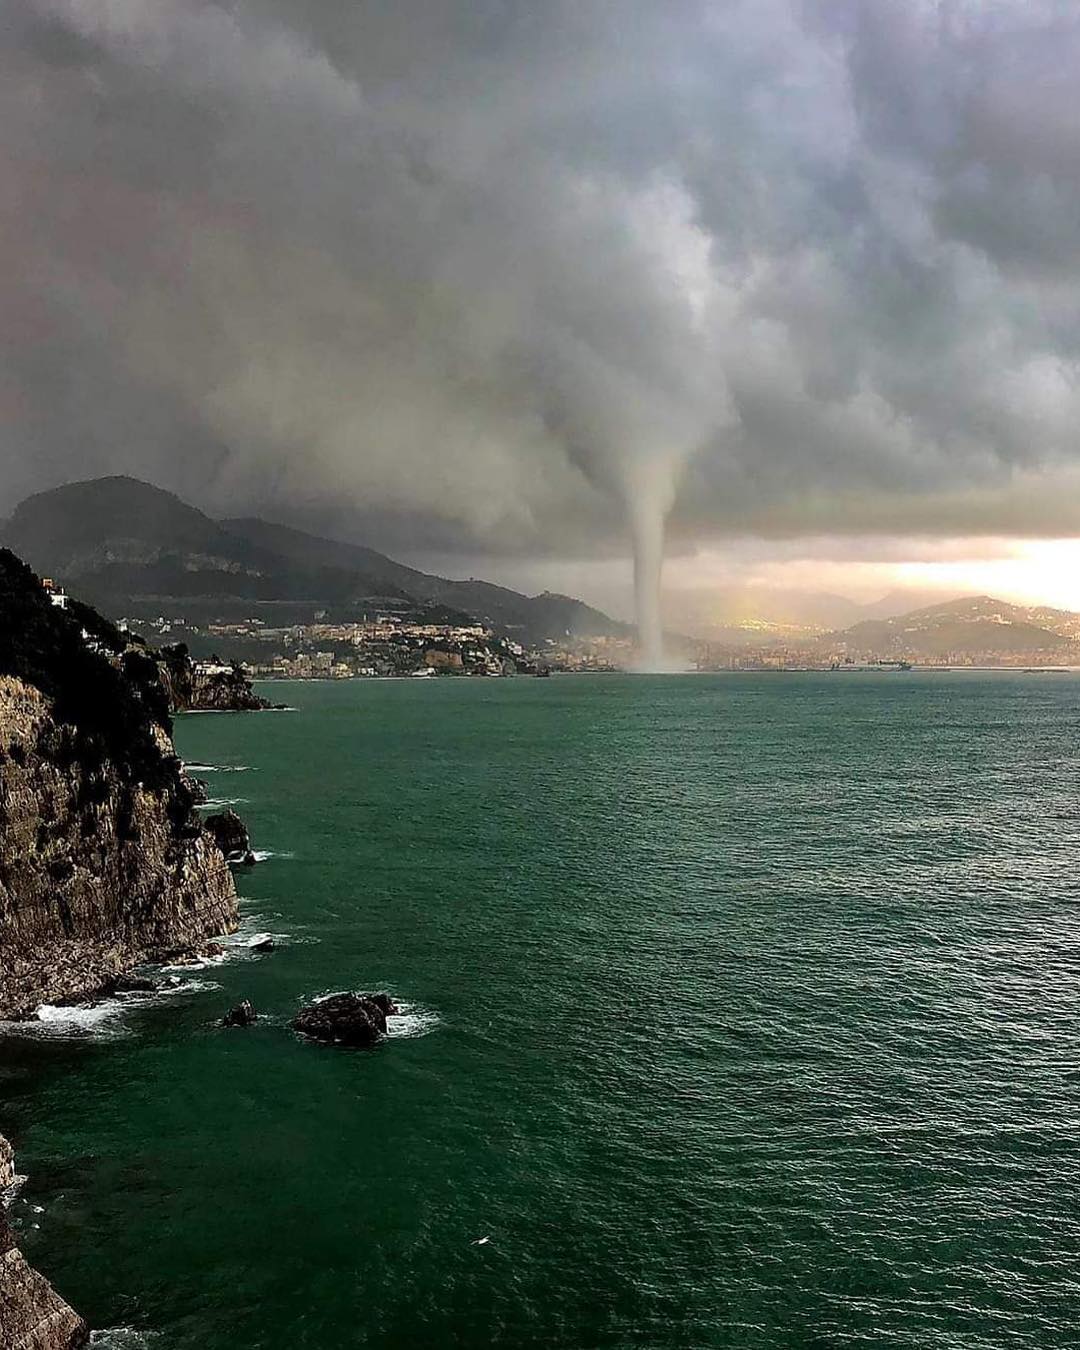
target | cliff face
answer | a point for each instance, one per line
(33, 1316)
(103, 861)
(191, 690)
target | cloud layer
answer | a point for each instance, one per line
(456, 274)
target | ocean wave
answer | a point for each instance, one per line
(216, 803)
(411, 1021)
(124, 1338)
(216, 768)
(263, 854)
(100, 1021)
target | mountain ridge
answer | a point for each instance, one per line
(132, 547)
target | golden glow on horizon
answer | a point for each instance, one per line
(1025, 571)
(1038, 572)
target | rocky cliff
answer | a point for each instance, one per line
(33, 1316)
(104, 863)
(224, 689)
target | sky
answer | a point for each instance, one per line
(467, 280)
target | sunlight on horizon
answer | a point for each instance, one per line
(1040, 572)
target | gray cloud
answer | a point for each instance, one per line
(464, 275)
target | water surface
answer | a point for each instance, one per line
(745, 1011)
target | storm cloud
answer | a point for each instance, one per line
(469, 273)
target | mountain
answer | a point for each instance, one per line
(132, 548)
(969, 626)
(754, 615)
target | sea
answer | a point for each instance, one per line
(737, 1011)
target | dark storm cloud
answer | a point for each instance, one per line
(474, 272)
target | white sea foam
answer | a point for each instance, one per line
(102, 1021)
(411, 1021)
(124, 1338)
(197, 963)
(263, 854)
(58, 1015)
(216, 768)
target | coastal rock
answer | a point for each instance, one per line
(199, 789)
(206, 686)
(33, 1316)
(104, 864)
(134, 984)
(266, 944)
(345, 1019)
(243, 1015)
(230, 834)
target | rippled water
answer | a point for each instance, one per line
(744, 1011)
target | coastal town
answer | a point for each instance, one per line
(384, 646)
(973, 633)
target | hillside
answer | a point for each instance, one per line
(965, 627)
(134, 549)
(104, 863)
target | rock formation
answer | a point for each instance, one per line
(33, 1316)
(243, 1015)
(104, 863)
(230, 834)
(223, 688)
(346, 1019)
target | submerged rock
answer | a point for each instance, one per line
(263, 944)
(243, 1015)
(230, 834)
(346, 1019)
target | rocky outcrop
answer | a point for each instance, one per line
(104, 863)
(346, 1019)
(243, 1015)
(221, 688)
(33, 1316)
(230, 834)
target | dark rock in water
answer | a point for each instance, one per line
(266, 944)
(199, 789)
(133, 984)
(384, 1003)
(346, 1019)
(243, 1015)
(187, 956)
(230, 834)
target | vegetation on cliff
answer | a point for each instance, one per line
(110, 707)
(104, 862)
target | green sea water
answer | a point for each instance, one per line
(741, 1011)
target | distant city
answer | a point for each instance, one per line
(974, 632)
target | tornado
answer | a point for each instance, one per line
(647, 528)
(649, 486)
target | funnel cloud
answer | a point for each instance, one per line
(548, 280)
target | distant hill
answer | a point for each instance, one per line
(132, 548)
(968, 626)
